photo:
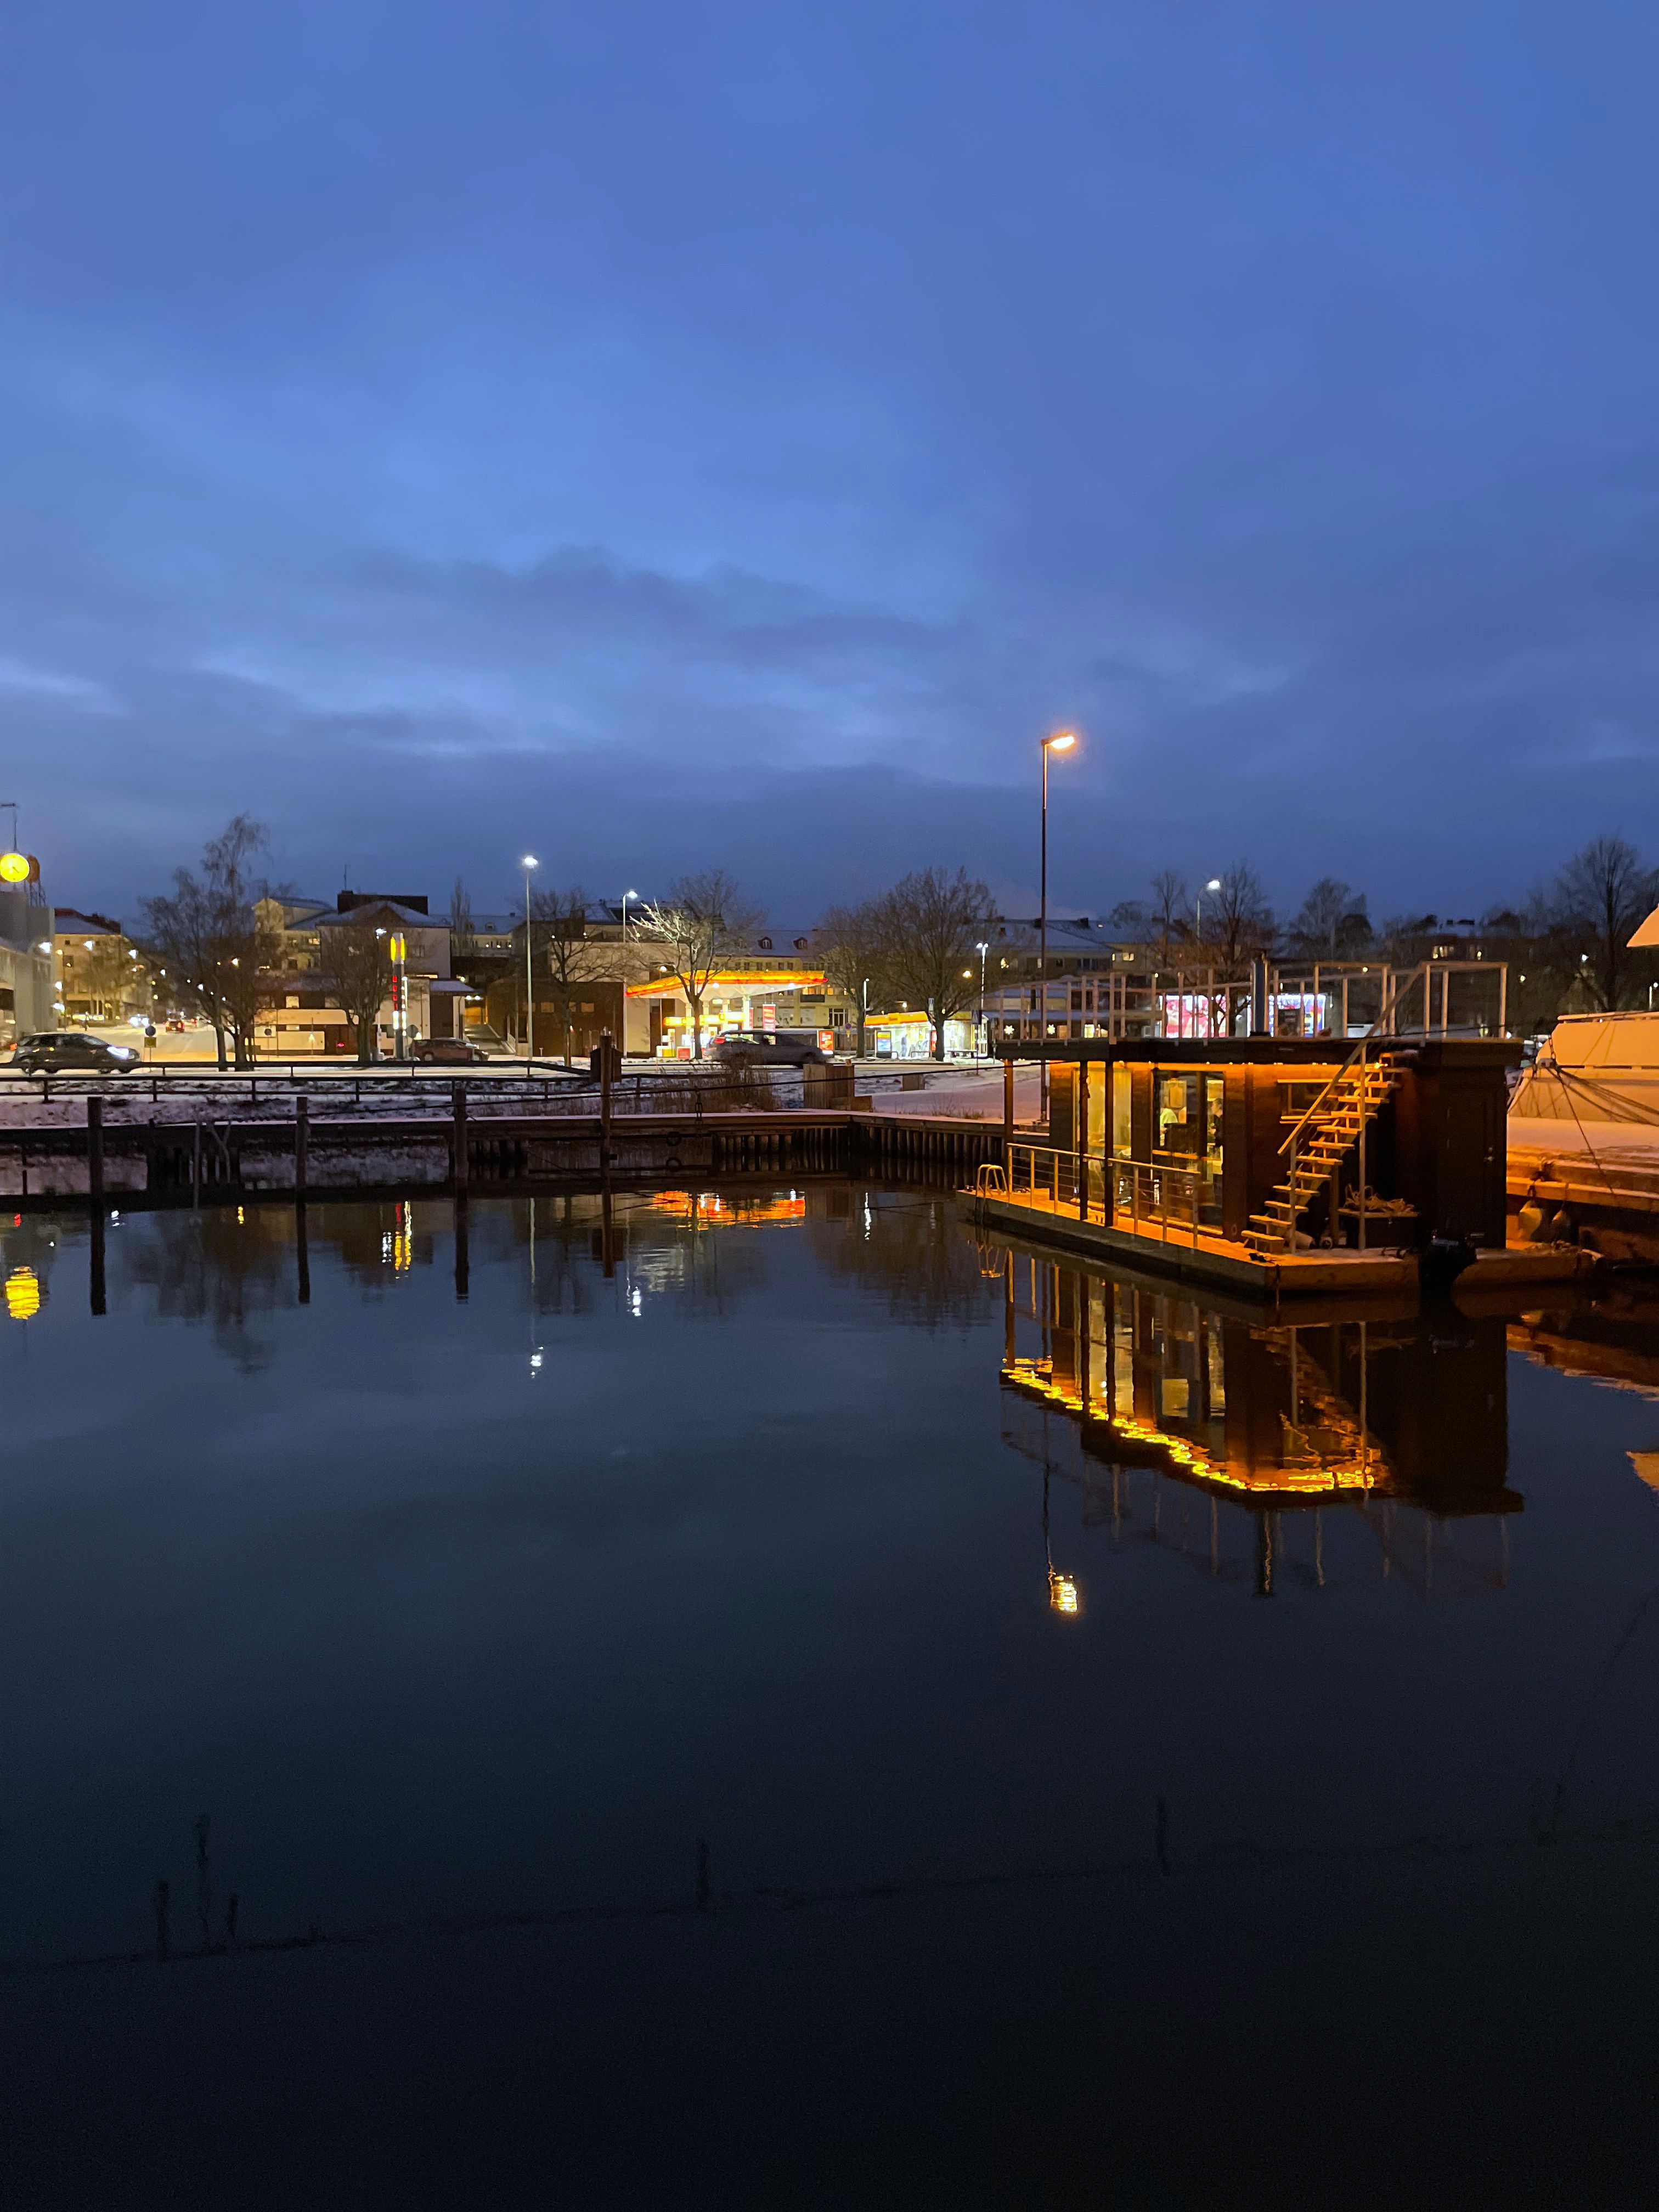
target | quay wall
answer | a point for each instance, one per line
(174, 1163)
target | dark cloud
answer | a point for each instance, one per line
(694, 435)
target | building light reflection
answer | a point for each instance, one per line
(712, 1210)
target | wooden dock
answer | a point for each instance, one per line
(1214, 1260)
(160, 1163)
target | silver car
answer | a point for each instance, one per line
(761, 1048)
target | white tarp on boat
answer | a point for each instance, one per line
(1595, 1067)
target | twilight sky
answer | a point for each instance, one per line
(680, 432)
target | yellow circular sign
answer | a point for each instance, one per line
(13, 867)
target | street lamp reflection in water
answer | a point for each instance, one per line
(1062, 1593)
(22, 1294)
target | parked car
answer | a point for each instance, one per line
(445, 1052)
(760, 1048)
(56, 1052)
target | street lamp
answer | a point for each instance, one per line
(1214, 885)
(626, 896)
(528, 862)
(981, 1039)
(1062, 742)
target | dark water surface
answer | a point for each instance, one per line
(766, 1701)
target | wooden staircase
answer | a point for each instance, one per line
(1321, 1141)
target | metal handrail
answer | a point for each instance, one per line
(1195, 1179)
(1362, 1046)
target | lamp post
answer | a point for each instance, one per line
(1062, 742)
(979, 1038)
(529, 862)
(623, 1039)
(1214, 885)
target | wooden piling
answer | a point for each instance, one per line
(458, 1158)
(301, 1144)
(606, 1051)
(95, 1151)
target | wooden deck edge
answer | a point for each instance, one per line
(1278, 1281)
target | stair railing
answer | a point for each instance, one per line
(1398, 986)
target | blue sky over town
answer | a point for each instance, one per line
(677, 435)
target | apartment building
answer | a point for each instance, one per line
(100, 975)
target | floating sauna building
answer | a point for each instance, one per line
(1276, 1164)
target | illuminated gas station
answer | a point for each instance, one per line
(766, 995)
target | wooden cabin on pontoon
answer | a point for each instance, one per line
(1274, 1162)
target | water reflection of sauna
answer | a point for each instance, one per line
(1323, 1453)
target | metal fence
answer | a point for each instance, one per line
(268, 1093)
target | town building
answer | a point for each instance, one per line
(27, 992)
(100, 975)
(305, 1015)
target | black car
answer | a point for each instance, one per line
(64, 1051)
(760, 1048)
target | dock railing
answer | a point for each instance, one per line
(1154, 1195)
(1150, 1197)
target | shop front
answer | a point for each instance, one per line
(910, 1036)
(753, 998)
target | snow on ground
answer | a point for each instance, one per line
(972, 1093)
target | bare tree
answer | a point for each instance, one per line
(1331, 920)
(1595, 904)
(1162, 920)
(927, 929)
(851, 937)
(463, 933)
(702, 921)
(360, 975)
(1167, 911)
(209, 938)
(1240, 920)
(562, 951)
(103, 976)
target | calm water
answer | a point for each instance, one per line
(1127, 1753)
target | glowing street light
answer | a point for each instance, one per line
(528, 862)
(1060, 742)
